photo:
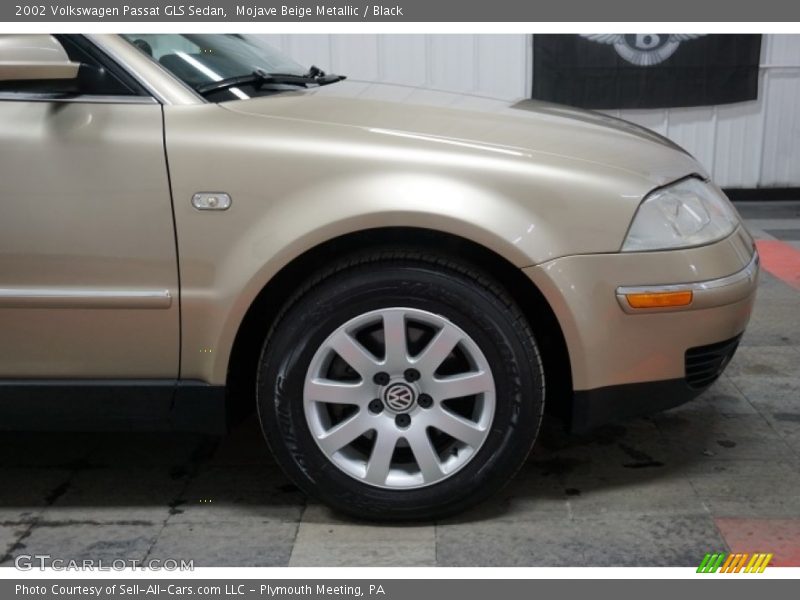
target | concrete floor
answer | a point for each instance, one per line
(720, 473)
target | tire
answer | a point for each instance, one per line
(479, 440)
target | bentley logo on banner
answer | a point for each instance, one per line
(642, 49)
(648, 70)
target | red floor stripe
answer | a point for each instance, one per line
(780, 537)
(781, 260)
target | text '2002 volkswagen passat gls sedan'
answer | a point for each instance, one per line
(194, 224)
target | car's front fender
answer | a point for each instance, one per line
(296, 184)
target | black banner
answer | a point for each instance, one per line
(655, 70)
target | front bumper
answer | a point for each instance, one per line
(634, 360)
(704, 364)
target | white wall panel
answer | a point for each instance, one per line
(652, 119)
(695, 130)
(311, 50)
(403, 59)
(357, 56)
(454, 62)
(747, 144)
(497, 57)
(739, 136)
(492, 66)
(780, 159)
(781, 50)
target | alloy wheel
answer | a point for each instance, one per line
(399, 398)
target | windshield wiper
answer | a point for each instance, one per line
(259, 77)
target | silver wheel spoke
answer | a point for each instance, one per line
(354, 354)
(458, 386)
(344, 433)
(438, 349)
(394, 335)
(458, 427)
(336, 392)
(398, 399)
(425, 455)
(381, 458)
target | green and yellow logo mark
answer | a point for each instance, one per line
(722, 562)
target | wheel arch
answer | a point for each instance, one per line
(259, 317)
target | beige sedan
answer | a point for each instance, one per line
(194, 226)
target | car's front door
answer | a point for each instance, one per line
(88, 266)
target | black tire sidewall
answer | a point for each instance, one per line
(494, 326)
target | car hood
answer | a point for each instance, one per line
(532, 128)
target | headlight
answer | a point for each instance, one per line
(687, 213)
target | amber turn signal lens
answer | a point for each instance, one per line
(660, 299)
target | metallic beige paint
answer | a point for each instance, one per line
(552, 190)
(86, 211)
(38, 56)
(305, 168)
(608, 346)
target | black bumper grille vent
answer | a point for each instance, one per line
(704, 364)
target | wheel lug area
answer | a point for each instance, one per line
(411, 375)
(425, 401)
(381, 378)
(402, 420)
(375, 406)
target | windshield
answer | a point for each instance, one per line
(202, 59)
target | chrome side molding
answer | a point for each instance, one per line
(83, 298)
(712, 292)
(75, 99)
(748, 273)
